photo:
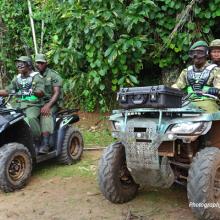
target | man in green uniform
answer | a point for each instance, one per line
(29, 88)
(200, 77)
(53, 99)
(214, 49)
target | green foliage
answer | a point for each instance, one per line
(101, 45)
(11, 42)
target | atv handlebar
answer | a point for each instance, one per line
(186, 100)
(4, 101)
(200, 93)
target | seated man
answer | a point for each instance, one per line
(214, 50)
(29, 85)
(200, 77)
(53, 100)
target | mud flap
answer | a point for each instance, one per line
(163, 177)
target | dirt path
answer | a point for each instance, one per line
(78, 198)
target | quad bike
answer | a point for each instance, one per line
(159, 146)
(19, 150)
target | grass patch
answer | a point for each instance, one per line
(100, 138)
(86, 167)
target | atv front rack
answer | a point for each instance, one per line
(160, 113)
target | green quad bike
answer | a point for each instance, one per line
(159, 146)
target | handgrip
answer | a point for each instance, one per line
(137, 102)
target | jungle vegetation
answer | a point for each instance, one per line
(99, 46)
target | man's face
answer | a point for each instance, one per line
(41, 66)
(199, 56)
(215, 54)
(22, 67)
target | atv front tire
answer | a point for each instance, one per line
(72, 147)
(15, 166)
(115, 181)
(203, 186)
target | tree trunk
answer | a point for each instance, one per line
(2, 65)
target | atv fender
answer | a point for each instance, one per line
(60, 137)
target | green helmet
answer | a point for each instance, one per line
(25, 59)
(40, 58)
(214, 43)
(199, 43)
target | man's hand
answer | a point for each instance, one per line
(45, 110)
(199, 93)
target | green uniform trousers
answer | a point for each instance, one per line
(47, 122)
(209, 105)
(32, 118)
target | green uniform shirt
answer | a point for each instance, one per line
(51, 79)
(208, 104)
(214, 79)
(37, 85)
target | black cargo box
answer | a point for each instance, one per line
(150, 97)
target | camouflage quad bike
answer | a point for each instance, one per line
(157, 147)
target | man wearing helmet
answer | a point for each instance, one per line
(29, 88)
(200, 77)
(53, 100)
(214, 49)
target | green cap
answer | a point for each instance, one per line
(215, 43)
(199, 43)
(40, 58)
(24, 59)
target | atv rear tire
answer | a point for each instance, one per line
(72, 148)
(15, 166)
(203, 187)
(115, 181)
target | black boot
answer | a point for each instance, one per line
(44, 148)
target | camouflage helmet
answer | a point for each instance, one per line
(215, 43)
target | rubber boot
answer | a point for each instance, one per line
(44, 148)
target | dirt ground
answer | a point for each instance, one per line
(79, 198)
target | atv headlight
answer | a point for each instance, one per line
(189, 128)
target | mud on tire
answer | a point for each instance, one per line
(115, 181)
(15, 166)
(72, 147)
(203, 186)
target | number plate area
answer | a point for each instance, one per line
(142, 147)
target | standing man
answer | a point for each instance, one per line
(200, 77)
(29, 87)
(214, 49)
(53, 100)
